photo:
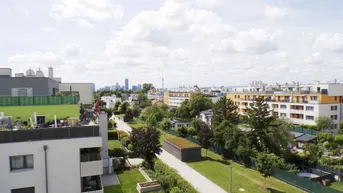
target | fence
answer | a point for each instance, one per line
(38, 100)
(304, 130)
(300, 182)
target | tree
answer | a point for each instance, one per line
(198, 103)
(260, 119)
(183, 132)
(145, 143)
(166, 124)
(312, 153)
(224, 109)
(136, 111)
(143, 100)
(123, 107)
(265, 163)
(183, 110)
(128, 117)
(340, 127)
(205, 134)
(279, 136)
(117, 105)
(147, 87)
(158, 112)
(151, 121)
(324, 123)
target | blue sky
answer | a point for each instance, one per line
(203, 42)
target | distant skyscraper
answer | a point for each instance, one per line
(139, 87)
(126, 84)
(134, 87)
(93, 88)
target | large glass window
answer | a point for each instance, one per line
(24, 190)
(21, 162)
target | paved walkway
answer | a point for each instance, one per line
(110, 180)
(197, 180)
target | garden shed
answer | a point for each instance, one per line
(182, 149)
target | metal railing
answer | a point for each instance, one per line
(90, 157)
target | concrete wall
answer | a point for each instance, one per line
(85, 90)
(41, 86)
(186, 154)
(63, 158)
(103, 124)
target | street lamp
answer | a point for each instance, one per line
(230, 179)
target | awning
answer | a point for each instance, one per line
(297, 134)
(306, 138)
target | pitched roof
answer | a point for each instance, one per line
(306, 138)
(297, 134)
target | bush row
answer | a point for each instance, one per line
(170, 179)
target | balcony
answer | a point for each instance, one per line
(91, 184)
(91, 163)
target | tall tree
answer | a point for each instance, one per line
(224, 109)
(198, 103)
(147, 87)
(123, 107)
(324, 123)
(152, 121)
(117, 105)
(166, 124)
(183, 110)
(205, 134)
(312, 153)
(265, 163)
(279, 136)
(146, 144)
(260, 119)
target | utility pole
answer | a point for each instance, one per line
(231, 179)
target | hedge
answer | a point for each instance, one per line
(112, 135)
(117, 152)
(169, 178)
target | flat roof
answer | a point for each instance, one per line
(11, 136)
(297, 134)
(306, 138)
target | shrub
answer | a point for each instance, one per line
(117, 152)
(169, 179)
(192, 131)
(112, 135)
(130, 147)
(339, 139)
(125, 141)
(118, 164)
(322, 137)
(326, 144)
(176, 190)
(110, 124)
(183, 132)
(122, 134)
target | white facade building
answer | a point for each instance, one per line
(54, 160)
(206, 116)
(85, 91)
(110, 101)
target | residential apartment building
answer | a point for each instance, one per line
(53, 160)
(174, 98)
(300, 103)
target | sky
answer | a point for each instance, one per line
(189, 42)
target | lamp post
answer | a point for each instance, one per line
(230, 179)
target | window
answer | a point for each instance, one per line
(21, 162)
(238, 96)
(334, 117)
(308, 117)
(314, 98)
(235, 96)
(24, 190)
(283, 106)
(334, 108)
(334, 126)
(283, 115)
(335, 98)
(309, 108)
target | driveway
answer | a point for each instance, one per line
(193, 177)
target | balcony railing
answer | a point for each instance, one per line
(91, 184)
(90, 157)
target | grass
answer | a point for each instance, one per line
(137, 123)
(181, 142)
(337, 185)
(217, 170)
(25, 112)
(128, 182)
(112, 144)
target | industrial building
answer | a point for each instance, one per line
(36, 84)
(300, 103)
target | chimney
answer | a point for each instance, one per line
(51, 72)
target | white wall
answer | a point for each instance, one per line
(85, 90)
(63, 165)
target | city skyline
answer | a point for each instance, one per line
(204, 42)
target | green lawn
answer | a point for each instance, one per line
(249, 179)
(137, 123)
(25, 112)
(337, 185)
(114, 144)
(128, 182)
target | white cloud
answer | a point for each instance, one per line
(331, 42)
(273, 12)
(84, 12)
(281, 55)
(208, 3)
(72, 50)
(254, 41)
(49, 29)
(314, 58)
(37, 59)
